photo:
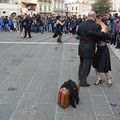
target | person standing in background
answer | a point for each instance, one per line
(27, 22)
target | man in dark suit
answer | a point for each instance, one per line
(27, 22)
(87, 47)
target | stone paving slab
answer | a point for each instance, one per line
(32, 70)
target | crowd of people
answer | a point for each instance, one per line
(43, 23)
(40, 23)
(90, 30)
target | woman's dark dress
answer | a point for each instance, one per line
(57, 31)
(102, 59)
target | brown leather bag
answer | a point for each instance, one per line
(64, 97)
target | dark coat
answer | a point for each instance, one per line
(74, 96)
(87, 42)
(27, 22)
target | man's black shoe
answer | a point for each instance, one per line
(86, 85)
(60, 42)
(78, 37)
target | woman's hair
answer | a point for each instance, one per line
(58, 17)
(102, 18)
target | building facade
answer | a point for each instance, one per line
(28, 6)
(78, 8)
(115, 8)
(58, 6)
(44, 6)
(82, 7)
(51, 6)
(8, 7)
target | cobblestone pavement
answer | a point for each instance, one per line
(32, 70)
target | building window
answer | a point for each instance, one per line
(54, 5)
(76, 8)
(49, 8)
(40, 8)
(4, 12)
(45, 8)
(72, 8)
(114, 6)
(4, 1)
(62, 6)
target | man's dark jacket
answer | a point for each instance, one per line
(87, 42)
(27, 22)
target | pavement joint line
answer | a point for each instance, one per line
(46, 70)
(45, 103)
(5, 103)
(92, 104)
(117, 86)
(17, 68)
(108, 103)
(116, 53)
(59, 81)
(43, 37)
(9, 48)
(13, 85)
(11, 75)
(7, 78)
(22, 96)
(104, 115)
(70, 78)
(118, 56)
(67, 38)
(27, 87)
(2, 92)
(41, 43)
(97, 95)
(49, 39)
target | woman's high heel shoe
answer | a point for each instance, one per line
(109, 82)
(98, 82)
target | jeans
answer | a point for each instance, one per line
(35, 28)
(6, 27)
(41, 29)
(65, 29)
(46, 28)
(50, 28)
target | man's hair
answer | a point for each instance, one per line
(91, 15)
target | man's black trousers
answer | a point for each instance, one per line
(84, 70)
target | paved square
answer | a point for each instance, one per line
(32, 70)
